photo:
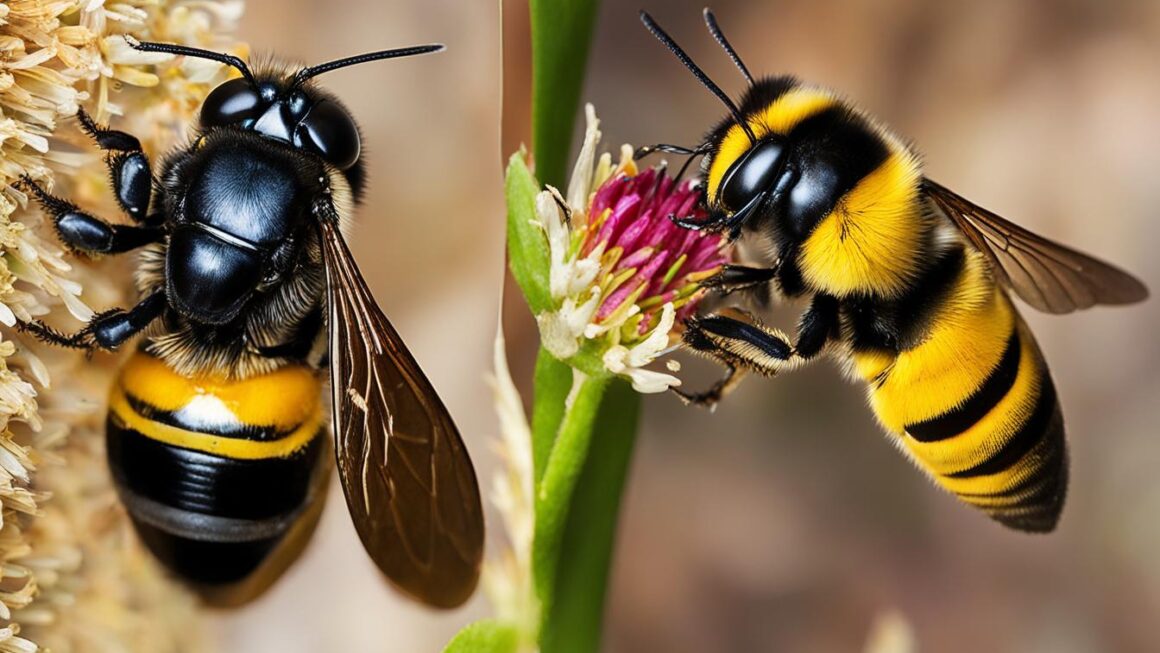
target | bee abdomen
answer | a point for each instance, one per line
(973, 404)
(1011, 458)
(216, 474)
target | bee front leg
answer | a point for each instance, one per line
(128, 167)
(88, 234)
(743, 343)
(107, 330)
(735, 278)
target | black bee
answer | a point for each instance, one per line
(215, 425)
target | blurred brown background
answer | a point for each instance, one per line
(785, 521)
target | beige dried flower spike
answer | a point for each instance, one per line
(73, 579)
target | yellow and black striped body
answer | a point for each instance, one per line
(967, 393)
(953, 371)
(223, 478)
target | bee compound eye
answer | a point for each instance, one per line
(329, 131)
(752, 174)
(231, 102)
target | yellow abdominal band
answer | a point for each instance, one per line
(270, 415)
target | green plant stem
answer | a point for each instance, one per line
(561, 33)
(573, 620)
(556, 489)
(553, 380)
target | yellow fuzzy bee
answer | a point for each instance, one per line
(907, 282)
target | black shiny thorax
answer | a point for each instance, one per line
(251, 192)
(237, 206)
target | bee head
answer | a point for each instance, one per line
(757, 173)
(758, 176)
(285, 110)
(291, 114)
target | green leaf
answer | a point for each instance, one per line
(485, 636)
(527, 245)
(574, 618)
(561, 33)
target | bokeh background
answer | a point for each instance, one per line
(785, 521)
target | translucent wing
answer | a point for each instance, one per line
(408, 480)
(1048, 276)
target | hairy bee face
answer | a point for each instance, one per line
(292, 115)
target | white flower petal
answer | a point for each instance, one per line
(581, 185)
(584, 272)
(560, 330)
(597, 330)
(616, 360)
(656, 342)
(555, 335)
(650, 382)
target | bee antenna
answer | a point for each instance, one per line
(185, 50)
(306, 73)
(715, 30)
(684, 58)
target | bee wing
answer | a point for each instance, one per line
(1051, 277)
(408, 480)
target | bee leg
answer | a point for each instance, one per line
(817, 326)
(739, 341)
(736, 278)
(711, 397)
(744, 343)
(128, 167)
(107, 330)
(88, 234)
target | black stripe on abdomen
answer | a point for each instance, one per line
(1029, 470)
(211, 520)
(1035, 503)
(986, 397)
(1022, 441)
(226, 430)
(206, 483)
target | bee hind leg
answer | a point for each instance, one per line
(107, 330)
(740, 342)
